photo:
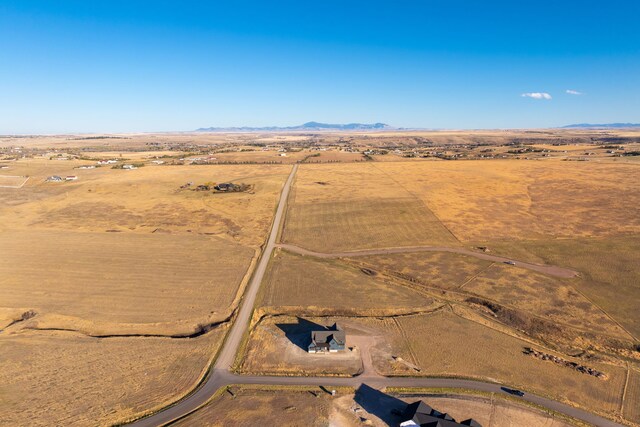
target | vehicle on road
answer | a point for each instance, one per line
(513, 391)
(510, 262)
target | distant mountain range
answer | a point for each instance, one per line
(309, 126)
(602, 126)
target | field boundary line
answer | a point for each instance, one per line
(421, 200)
(406, 339)
(15, 176)
(633, 337)
(475, 276)
(624, 390)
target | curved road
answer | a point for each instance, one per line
(220, 375)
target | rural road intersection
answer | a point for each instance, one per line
(221, 375)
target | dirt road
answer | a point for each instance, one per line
(228, 353)
(220, 376)
(551, 270)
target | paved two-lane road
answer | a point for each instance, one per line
(221, 376)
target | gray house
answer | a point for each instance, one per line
(329, 340)
(420, 414)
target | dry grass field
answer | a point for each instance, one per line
(144, 200)
(260, 156)
(356, 206)
(551, 298)
(266, 407)
(331, 287)
(497, 199)
(116, 283)
(62, 378)
(12, 181)
(119, 253)
(631, 404)
(127, 252)
(445, 344)
(608, 266)
(438, 269)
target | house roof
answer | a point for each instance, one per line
(425, 416)
(333, 333)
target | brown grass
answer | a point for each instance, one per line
(446, 344)
(632, 400)
(254, 406)
(144, 200)
(119, 253)
(495, 199)
(304, 282)
(109, 283)
(551, 298)
(609, 276)
(357, 207)
(61, 378)
(439, 269)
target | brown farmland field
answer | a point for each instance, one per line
(445, 344)
(62, 378)
(128, 256)
(356, 206)
(439, 269)
(608, 266)
(113, 283)
(551, 298)
(144, 200)
(329, 286)
(267, 407)
(498, 199)
(632, 399)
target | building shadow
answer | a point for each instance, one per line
(300, 333)
(382, 405)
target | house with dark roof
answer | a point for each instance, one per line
(328, 340)
(420, 414)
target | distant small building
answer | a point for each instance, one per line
(227, 186)
(55, 178)
(420, 414)
(328, 340)
(71, 178)
(129, 167)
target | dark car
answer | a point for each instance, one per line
(510, 262)
(513, 391)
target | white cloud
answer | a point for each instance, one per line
(573, 92)
(537, 95)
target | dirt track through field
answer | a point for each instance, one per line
(550, 270)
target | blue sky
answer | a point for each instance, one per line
(129, 66)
